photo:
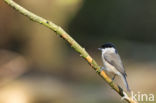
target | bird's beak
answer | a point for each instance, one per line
(99, 48)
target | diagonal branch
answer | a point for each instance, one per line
(59, 31)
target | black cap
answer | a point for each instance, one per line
(108, 45)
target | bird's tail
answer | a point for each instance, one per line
(125, 82)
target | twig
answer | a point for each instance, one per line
(59, 31)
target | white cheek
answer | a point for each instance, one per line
(110, 50)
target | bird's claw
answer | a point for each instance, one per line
(102, 68)
(113, 77)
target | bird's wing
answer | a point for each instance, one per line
(114, 59)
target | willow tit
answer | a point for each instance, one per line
(112, 62)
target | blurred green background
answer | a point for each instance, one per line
(36, 66)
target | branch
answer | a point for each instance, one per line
(59, 31)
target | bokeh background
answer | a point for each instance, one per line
(37, 66)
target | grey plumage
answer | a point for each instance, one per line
(114, 59)
(113, 63)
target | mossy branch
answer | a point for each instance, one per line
(59, 31)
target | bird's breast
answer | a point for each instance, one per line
(110, 68)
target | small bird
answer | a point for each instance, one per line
(112, 62)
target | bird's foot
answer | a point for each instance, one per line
(102, 68)
(113, 77)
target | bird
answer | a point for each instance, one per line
(112, 62)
